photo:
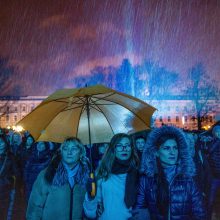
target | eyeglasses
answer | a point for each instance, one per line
(120, 147)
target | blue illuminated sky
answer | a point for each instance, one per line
(50, 42)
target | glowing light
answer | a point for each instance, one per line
(183, 120)
(18, 128)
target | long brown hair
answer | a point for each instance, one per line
(105, 166)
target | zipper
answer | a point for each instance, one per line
(71, 203)
(169, 205)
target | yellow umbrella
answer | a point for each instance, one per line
(93, 114)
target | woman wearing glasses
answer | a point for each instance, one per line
(116, 182)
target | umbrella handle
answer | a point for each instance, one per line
(14, 181)
(93, 192)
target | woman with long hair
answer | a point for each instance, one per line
(167, 187)
(117, 178)
(59, 190)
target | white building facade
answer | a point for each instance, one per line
(180, 113)
(13, 109)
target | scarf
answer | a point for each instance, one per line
(71, 173)
(121, 167)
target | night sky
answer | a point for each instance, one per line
(49, 42)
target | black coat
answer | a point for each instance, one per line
(8, 175)
(36, 162)
(184, 196)
(214, 157)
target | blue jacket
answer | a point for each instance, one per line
(186, 202)
(182, 198)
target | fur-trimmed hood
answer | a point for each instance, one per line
(56, 173)
(185, 164)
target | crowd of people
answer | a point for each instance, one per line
(166, 174)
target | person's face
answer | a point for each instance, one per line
(216, 133)
(41, 146)
(123, 149)
(140, 142)
(29, 141)
(168, 153)
(102, 148)
(2, 146)
(16, 138)
(70, 153)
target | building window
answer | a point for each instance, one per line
(177, 119)
(160, 119)
(15, 118)
(177, 109)
(23, 108)
(8, 108)
(168, 119)
(210, 118)
(185, 109)
(16, 109)
(185, 118)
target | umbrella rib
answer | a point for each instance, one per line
(82, 110)
(76, 102)
(67, 109)
(129, 110)
(98, 99)
(100, 110)
(50, 122)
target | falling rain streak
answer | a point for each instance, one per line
(46, 46)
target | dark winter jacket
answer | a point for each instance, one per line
(8, 169)
(53, 198)
(24, 154)
(8, 174)
(214, 157)
(184, 199)
(34, 165)
(203, 174)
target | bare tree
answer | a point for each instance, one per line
(160, 80)
(200, 90)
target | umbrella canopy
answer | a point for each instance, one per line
(93, 114)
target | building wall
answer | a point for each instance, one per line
(172, 112)
(182, 113)
(13, 109)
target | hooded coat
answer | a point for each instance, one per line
(53, 198)
(184, 200)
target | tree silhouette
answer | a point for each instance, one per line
(160, 80)
(200, 90)
(125, 77)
